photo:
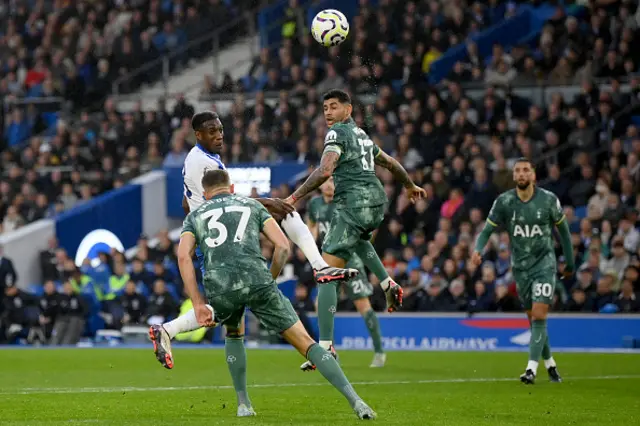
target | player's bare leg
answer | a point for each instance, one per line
(236, 357)
(299, 233)
(298, 337)
(392, 291)
(539, 312)
(371, 321)
(547, 357)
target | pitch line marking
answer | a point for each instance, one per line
(34, 391)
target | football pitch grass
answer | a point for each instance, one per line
(129, 387)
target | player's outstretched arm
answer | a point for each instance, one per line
(482, 240)
(494, 219)
(414, 192)
(281, 251)
(278, 208)
(567, 247)
(188, 273)
(328, 164)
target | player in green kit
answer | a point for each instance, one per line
(319, 212)
(227, 230)
(350, 156)
(530, 214)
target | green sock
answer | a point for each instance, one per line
(371, 320)
(368, 254)
(546, 349)
(236, 356)
(327, 303)
(330, 370)
(538, 339)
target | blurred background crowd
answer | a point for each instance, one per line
(458, 137)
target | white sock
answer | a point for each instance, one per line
(182, 324)
(548, 363)
(533, 366)
(385, 284)
(298, 232)
(325, 344)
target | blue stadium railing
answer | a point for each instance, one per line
(523, 28)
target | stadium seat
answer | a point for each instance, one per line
(171, 289)
(581, 212)
(397, 85)
(142, 289)
(36, 289)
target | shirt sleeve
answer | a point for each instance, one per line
(557, 214)
(335, 141)
(496, 216)
(188, 227)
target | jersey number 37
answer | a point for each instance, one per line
(366, 148)
(214, 223)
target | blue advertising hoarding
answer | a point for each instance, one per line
(485, 332)
(118, 212)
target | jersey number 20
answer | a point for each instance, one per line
(214, 216)
(366, 147)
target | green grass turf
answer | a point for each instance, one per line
(129, 387)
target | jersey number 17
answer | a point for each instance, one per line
(214, 223)
(366, 148)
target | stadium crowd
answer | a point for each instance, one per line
(76, 50)
(460, 148)
(592, 43)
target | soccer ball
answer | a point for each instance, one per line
(330, 27)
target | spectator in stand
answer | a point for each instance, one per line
(17, 315)
(161, 307)
(49, 308)
(70, 321)
(8, 274)
(133, 303)
(628, 301)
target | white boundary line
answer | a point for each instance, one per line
(35, 391)
(254, 346)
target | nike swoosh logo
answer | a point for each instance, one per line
(539, 338)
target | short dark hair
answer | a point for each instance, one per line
(202, 117)
(215, 178)
(342, 96)
(525, 160)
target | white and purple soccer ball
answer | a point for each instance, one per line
(330, 27)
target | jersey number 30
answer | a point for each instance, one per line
(214, 216)
(366, 147)
(542, 289)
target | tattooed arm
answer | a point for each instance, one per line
(328, 164)
(414, 192)
(391, 164)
